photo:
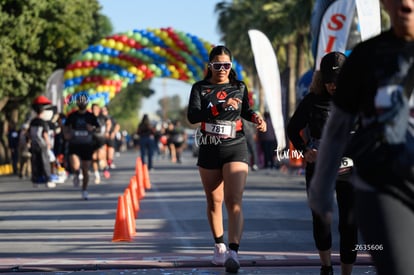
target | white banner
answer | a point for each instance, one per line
(335, 27)
(54, 89)
(369, 16)
(268, 72)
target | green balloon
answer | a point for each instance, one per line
(88, 56)
(144, 41)
(105, 58)
(97, 56)
(137, 36)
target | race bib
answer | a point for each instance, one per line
(224, 129)
(346, 166)
(81, 137)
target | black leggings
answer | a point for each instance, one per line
(348, 230)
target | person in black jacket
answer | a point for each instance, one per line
(146, 132)
(376, 87)
(219, 102)
(312, 114)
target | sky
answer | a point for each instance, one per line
(195, 17)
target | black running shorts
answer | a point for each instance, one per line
(214, 153)
(83, 151)
(110, 142)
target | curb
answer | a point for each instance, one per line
(157, 262)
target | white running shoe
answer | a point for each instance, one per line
(50, 184)
(220, 253)
(232, 263)
(85, 195)
(97, 177)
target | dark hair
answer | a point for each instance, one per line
(219, 50)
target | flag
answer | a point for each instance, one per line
(54, 89)
(269, 76)
(341, 24)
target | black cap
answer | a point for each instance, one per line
(331, 65)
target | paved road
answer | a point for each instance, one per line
(53, 230)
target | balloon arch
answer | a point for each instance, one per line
(103, 69)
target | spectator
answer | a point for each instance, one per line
(41, 143)
(25, 166)
(146, 133)
(268, 143)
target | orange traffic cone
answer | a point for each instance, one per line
(134, 196)
(133, 182)
(147, 182)
(130, 213)
(140, 178)
(121, 231)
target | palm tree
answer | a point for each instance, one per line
(293, 20)
(285, 22)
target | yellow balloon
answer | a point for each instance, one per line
(68, 75)
(163, 35)
(104, 42)
(111, 43)
(77, 72)
(85, 71)
(119, 46)
(133, 69)
(169, 42)
(112, 92)
(126, 63)
(114, 61)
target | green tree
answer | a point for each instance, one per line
(285, 22)
(170, 108)
(36, 38)
(293, 37)
(39, 36)
(125, 106)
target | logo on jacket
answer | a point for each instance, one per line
(221, 95)
(204, 92)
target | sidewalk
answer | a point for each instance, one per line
(53, 231)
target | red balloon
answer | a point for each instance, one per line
(131, 42)
(123, 38)
(77, 64)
